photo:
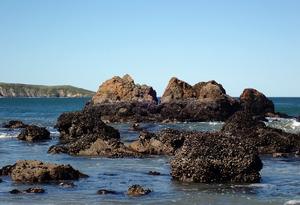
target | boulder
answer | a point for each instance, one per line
(33, 171)
(256, 102)
(252, 130)
(165, 142)
(137, 190)
(123, 89)
(215, 158)
(85, 134)
(34, 133)
(177, 90)
(15, 124)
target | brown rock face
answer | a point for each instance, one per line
(33, 171)
(123, 89)
(34, 133)
(210, 89)
(256, 102)
(180, 90)
(177, 90)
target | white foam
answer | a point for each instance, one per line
(293, 202)
(5, 135)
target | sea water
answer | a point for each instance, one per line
(280, 177)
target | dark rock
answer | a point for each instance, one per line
(15, 124)
(34, 133)
(33, 171)
(256, 102)
(84, 133)
(137, 190)
(35, 190)
(4, 171)
(268, 140)
(74, 125)
(123, 89)
(105, 192)
(216, 158)
(67, 184)
(136, 127)
(154, 173)
(15, 191)
(1, 180)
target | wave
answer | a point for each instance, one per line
(287, 125)
(292, 202)
(7, 135)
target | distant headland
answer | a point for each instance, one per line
(27, 90)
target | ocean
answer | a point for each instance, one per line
(280, 177)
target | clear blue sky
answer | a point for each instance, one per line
(238, 43)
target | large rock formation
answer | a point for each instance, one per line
(34, 133)
(84, 133)
(117, 102)
(256, 102)
(33, 171)
(123, 89)
(213, 157)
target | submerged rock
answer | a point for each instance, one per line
(123, 89)
(256, 102)
(268, 140)
(105, 192)
(33, 171)
(67, 184)
(15, 124)
(154, 173)
(34, 190)
(137, 190)
(34, 133)
(215, 158)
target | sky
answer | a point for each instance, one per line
(240, 44)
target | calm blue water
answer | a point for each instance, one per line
(280, 177)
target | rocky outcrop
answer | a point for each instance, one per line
(33, 171)
(205, 101)
(15, 124)
(215, 158)
(34, 133)
(123, 89)
(25, 90)
(256, 102)
(253, 131)
(137, 190)
(83, 133)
